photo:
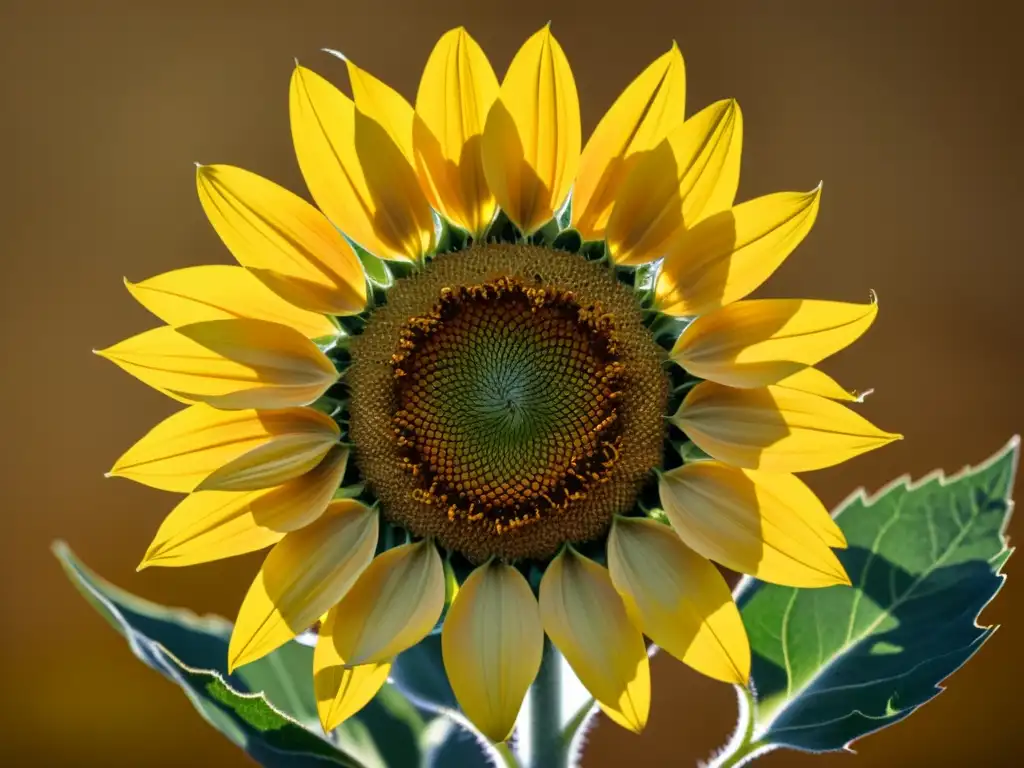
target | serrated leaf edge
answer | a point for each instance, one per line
(1012, 446)
(67, 557)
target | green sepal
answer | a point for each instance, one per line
(377, 297)
(659, 516)
(331, 406)
(564, 216)
(502, 230)
(402, 269)
(545, 235)
(665, 328)
(690, 452)
(353, 325)
(594, 250)
(568, 240)
(375, 268)
(339, 354)
(452, 238)
(833, 665)
(646, 275)
(326, 342)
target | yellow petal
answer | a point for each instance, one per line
(774, 428)
(456, 92)
(394, 605)
(760, 342)
(383, 104)
(283, 240)
(531, 142)
(690, 175)
(815, 382)
(212, 525)
(492, 644)
(678, 599)
(731, 253)
(767, 524)
(304, 575)
(356, 172)
(265, 447)
(342, 691)
(241, 363)
(644, 114)
(586, 619)
(220, 292)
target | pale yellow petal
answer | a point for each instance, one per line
(775, 428)
(644, 114)
(766, 524)
(393, 605)
(815, 382)
(356, 172)
(304, 575)
(587, 621)
(186, 448)
(276, 462)
(212, 525)
(678, 599)
(241, 363)
(531, 142)
(731, 253)
(760, 342)
(221, 292)
(492, 642)
(341, 691)
(690, 175)
(283, 240)
(455, 94)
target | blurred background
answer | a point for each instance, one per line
(910, 112)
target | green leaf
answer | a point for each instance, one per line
(833, 665)
(265, 732)
(285, 677)
(391, 724)
(385, 732)
(419, 674)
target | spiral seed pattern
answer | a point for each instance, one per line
(506, 400)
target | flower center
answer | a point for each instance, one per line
(518, 405)
(506, 402)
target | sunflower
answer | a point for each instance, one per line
(496, 386)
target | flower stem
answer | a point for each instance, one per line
(545, 747)
(743, 748)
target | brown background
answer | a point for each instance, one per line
(910, 111)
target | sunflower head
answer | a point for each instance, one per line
(491, 358)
